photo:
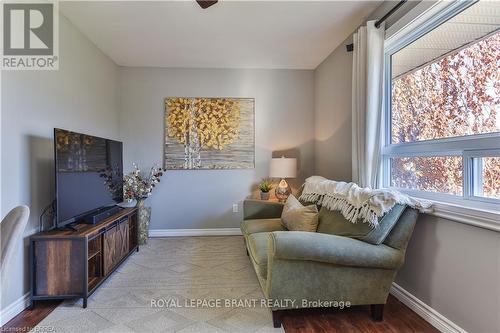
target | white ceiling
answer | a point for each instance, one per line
(230, 34)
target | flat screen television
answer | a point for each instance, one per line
(88, 173)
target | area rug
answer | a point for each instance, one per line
(177, 284)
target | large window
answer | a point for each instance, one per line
(442, 133)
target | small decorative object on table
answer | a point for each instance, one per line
(139, 187)
(283, 168)
(265, 186)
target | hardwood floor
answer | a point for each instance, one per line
(28, 319)
(397, 319)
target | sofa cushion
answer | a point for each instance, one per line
(249, 227)
(333, 223)
(386, 224)
(257, 249)
(296, 217)
(400, 235)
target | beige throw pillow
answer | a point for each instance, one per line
(296, 217)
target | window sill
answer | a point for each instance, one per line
(482, 218)
(473, 212)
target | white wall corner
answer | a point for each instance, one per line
(14, 309)
(430, 315)
(194, 232)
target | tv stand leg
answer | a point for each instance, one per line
(137, 250)
(85, 302)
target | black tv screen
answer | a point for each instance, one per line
(89, 174)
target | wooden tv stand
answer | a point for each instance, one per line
(73, 264)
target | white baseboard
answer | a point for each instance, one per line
(14, 309)
(430, 315)
(194, 232)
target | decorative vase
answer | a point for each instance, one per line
(264, 195)
(144, 214)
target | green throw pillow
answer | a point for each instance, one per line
(333, 223)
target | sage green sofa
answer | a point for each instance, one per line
(317, 267)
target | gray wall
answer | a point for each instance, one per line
(332, 115)
(450, 266)
(455, 269)
(82, 96)
(284, 102)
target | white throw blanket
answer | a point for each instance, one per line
(356, 203)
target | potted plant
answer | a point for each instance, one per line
(138, 186)
(265, 186)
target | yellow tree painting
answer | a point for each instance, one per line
(209, 133)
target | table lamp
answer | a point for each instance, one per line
(283, 167)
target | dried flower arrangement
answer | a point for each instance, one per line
(139, 186)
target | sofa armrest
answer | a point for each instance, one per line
(259, 209)
(336, 250)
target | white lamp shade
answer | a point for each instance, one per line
(283, 168)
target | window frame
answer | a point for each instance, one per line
(470, 164)
(469, 147)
